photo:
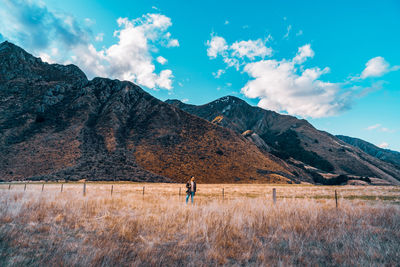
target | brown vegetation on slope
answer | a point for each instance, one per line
(209, 152)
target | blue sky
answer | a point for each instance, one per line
(335, 63)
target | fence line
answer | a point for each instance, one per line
(223, 193)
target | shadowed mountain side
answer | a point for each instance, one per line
(386, 155)
(55, 124)
(291, 139)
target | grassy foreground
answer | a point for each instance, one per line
(54, 228)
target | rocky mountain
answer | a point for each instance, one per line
(293, 140)
(386, 155)
(56, 124)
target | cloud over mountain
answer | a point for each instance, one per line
(45, 33)
(282, 85)
(131, 58)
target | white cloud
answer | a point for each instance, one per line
(377, 67)
(387, 130)
(164, 80)
(250, 49)
(376, 86)
(234, 55)
(130, 59)
(161, 60)
(185, 100)
(46, 58)
(383, 145)
(226, 22)
(285, 85)
(282, 85)
(54, 52)
(218, 73)
(89, 21)
(280, 88)
(303, 53)
(372, 127)
(99, 37)
(299, 33)
(380, 128)
(33, 26)
(173, 43)
(217, 45)
(289, 28)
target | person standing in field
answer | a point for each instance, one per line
(191, 189)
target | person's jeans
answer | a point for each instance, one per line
(191, 194)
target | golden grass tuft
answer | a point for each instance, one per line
(157, 229)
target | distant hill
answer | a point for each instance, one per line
(377, 152)
(56, 124)
(292, 139)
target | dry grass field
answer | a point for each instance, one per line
(304, 227)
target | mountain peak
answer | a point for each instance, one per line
(173, 101)
(8, 48)
(229, 99)
(15, 63)
(7, 44)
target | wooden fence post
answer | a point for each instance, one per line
(179, 193)
(143, 191)
(9, 186)
(223, 193)
(25, 187)
(42, 187)
(84, 189)
(112, 189)
(336, 199)
(62, 187)
(274, 195)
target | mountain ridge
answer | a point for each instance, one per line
(292, 139)
(387, 155)
(56, 124)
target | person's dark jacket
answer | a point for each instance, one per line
(188, 187)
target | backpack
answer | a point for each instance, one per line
(187, 188)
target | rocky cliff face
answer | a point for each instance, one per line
(55, 124)
(291, 139)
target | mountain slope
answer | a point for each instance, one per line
(55, 124)
(386, 155)
(291, 138)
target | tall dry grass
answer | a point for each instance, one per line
(157, 229)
